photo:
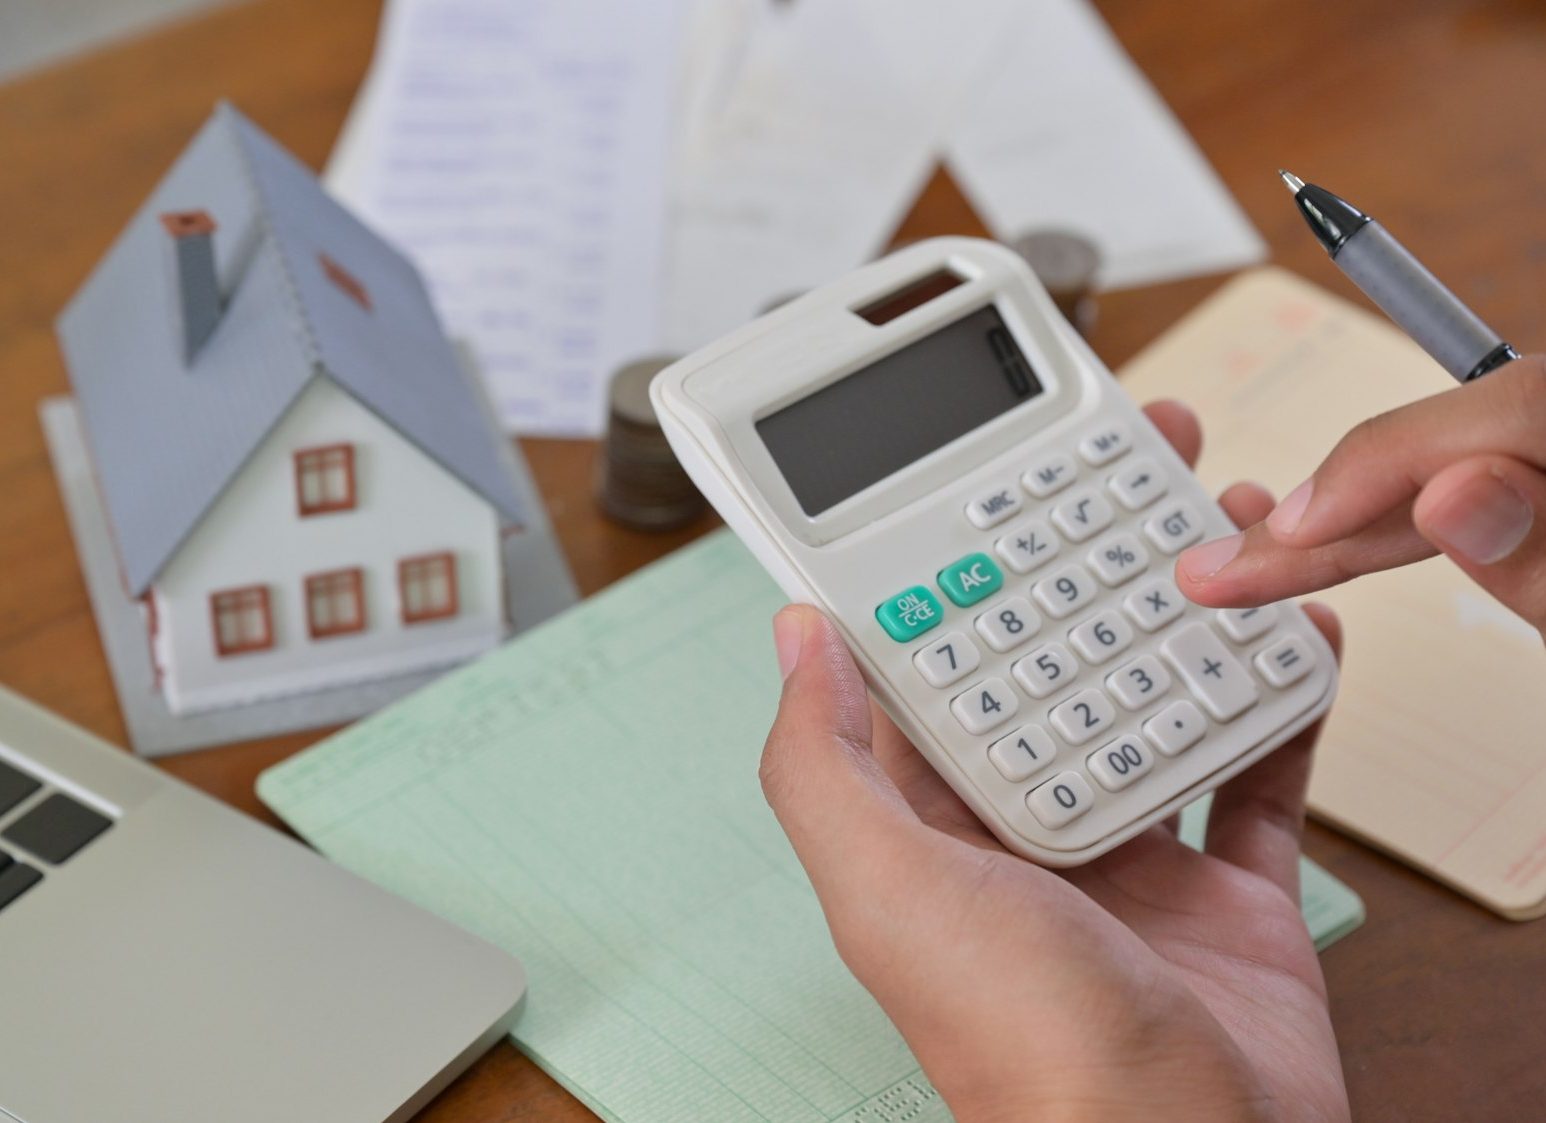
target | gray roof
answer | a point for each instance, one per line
(166, 436)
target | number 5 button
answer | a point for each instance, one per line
(986, 705)
(948, 659)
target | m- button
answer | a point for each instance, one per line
(993, 508)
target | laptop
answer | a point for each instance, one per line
(165, 958)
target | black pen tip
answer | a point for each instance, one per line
(1293, 182)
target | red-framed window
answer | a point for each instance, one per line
(242, 620)
(345, 280)
(426, 586)
(335, 603)
(324, 479)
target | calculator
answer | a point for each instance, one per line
(929, 453)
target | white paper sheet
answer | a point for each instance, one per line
(519, 152)
(1068, 132)
(800, 175)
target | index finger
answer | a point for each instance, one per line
(1384, 462)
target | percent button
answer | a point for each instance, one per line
(1118, 560)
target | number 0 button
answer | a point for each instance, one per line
(1060, 800)
(970, 579)
(985, 706)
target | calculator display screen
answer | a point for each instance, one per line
(882, 417)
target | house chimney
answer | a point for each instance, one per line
(198, 288)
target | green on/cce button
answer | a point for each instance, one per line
(970, 579)
(909, 614)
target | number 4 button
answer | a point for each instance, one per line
(988, 704)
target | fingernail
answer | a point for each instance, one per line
(1288, 514)
(1486, 523)
(1207, 559)
(787, 636)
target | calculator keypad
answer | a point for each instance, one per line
(1066, 647)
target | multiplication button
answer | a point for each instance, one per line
(1027, 547)
(1050, 475)
(948, 659)
(1176, 728)
(987, 705)
(1138, 484)
(1023, 753)
(1060, 800)
(1286, 662)
(1209, 671)
(993, 508)
(1154, 604)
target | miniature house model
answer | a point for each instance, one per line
(303, 483)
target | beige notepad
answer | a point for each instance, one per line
(1435, 750)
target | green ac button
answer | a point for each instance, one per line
(910, 613)
(971, 579)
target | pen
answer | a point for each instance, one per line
(1390, 276)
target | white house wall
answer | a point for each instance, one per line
(406, 505)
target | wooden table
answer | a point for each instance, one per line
(1430, 109)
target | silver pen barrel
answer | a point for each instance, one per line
(1417, 300)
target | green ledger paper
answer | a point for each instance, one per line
(587, 797)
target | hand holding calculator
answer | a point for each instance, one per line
(926, 451)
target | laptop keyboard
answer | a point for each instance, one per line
(54, 828)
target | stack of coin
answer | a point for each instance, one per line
(638, 481)
(1066, 264)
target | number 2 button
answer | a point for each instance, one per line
(988, 704)
(948, 659)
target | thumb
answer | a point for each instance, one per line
(837, 805)
(1488, 514)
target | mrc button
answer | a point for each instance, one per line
(970, 579)
(993, 508)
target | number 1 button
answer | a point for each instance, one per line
(948, 659)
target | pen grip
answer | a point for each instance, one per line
(1416, 300)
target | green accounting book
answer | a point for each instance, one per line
(587, 797)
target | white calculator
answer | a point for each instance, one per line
(926, 451)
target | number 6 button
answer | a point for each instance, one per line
(1060, 800)
(988, 704)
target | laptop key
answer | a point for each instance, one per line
(15, 879)
(56, 828)
(15, 786)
